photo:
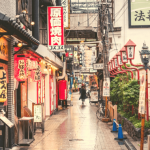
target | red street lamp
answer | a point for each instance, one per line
(130, 49)
(125, 60)
(109, 69)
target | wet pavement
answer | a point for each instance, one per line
(75, 128)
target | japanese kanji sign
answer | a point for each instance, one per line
(139, 13)
(106, 87)
(142, 92)
(37, 74)
(3, 86)
(55, 28)
(64, 3)
(119, 60)
(98, 66)
(130, 52)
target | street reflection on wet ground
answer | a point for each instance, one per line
(75, 128)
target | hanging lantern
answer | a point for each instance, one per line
(115, 61)
(123, 55)
(20, 67)
(119, 59)
(130, 49)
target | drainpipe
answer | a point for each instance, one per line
(64, 71)
(35, 18)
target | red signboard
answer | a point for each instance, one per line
(55, 28)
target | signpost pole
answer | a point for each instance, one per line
(106, 108)
(143, 118)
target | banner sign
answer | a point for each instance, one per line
(106, 87)
(55, 28)
(64, 3)
(142, 92)
(139, 13)
(98, 66)
(3, 86)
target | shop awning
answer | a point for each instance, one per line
(29, 51)
(9, 26)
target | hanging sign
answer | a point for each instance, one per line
(3, 86)
(142, 92)
(37, 74)
(106, 87)
(3, 49)
(20, 65)
(64, 3)
(98, 66)
(55, 28)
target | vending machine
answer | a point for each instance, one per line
(62, 90)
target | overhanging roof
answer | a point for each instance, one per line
(13, 28)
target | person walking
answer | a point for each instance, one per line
(83, 94)
(79, 87)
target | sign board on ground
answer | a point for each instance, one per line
(37, 113)
(142, 92)
(106, 87)
(98, 66)
(94, 96)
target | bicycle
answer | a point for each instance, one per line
(100, 113)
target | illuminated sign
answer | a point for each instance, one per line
(37, 74)
(55, 28)
(3, 86)
(139, 13)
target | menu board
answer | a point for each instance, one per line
(94, 96)
(37, 113)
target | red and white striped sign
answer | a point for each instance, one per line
(55, 28)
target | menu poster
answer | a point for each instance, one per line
(37, 113)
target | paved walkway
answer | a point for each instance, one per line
(75, 128)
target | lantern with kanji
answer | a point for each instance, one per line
(20, 67)
(130, 49)
(115, 61)
(119, 59)
(123, 55)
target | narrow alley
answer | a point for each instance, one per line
(75, 128)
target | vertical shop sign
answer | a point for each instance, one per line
(55, 28)
(64, 3)
(3, 86)
(106, 87)
(142, 92)
(37, 74)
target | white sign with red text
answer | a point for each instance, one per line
(106, 87)
(55, 28)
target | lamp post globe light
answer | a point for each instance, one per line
(145, 55)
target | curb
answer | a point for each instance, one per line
(129, 145)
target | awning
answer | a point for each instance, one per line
(11, 27)
(29, 51)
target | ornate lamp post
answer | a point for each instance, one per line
(125, 60)
(145, 55)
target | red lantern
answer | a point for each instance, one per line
(119, 59)
(20, 67)
(112, 64)
(130, 49)
(123, 55)
(115, 62)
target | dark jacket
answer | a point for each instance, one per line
(83, 94)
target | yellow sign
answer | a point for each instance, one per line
(3, 86)
(3, 49)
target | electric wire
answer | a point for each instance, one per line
(121, 15)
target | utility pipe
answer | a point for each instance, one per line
(127, 70)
